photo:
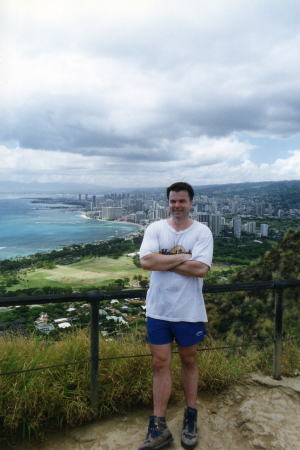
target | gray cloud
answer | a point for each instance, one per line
(136, 85)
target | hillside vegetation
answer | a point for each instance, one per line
(252, 314)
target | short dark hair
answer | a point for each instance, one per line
(181, 186)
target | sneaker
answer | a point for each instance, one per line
(189, 435)
(158, 435)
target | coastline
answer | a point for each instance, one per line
(114, 221)
(122, 222)
(43, 230)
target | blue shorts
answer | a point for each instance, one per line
(161, 332)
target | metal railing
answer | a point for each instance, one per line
(95, 297)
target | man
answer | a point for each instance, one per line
(178, 251)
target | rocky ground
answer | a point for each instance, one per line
(261, 413)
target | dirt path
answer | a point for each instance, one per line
(260, 414)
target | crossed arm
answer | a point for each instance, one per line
(180, 264)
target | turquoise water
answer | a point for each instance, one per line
(27, 228)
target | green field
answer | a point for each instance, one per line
(96, 272)
(89, 271)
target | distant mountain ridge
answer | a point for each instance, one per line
(228, 188)
(252, 186)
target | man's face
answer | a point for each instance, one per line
(179, 204)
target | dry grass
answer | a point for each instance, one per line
(33, 402)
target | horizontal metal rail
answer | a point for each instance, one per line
(72, 297)
(95, 297)
(259, 343)
(139, 293)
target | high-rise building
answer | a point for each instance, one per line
(214, 207)
(203, 217)
(250, 227)
(264, 229)
(234, 206)
(215, 224)
(237, 227)
(151, 215)
(260, 209)
(161, 212)
(111, 212)
(140, 215)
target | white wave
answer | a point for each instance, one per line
(1, 248)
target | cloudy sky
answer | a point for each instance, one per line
(140, 93)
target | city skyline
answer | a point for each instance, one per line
(224, 213)
(142, 94)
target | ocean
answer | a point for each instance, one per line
(27, 228)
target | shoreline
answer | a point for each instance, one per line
(47, 252)
(122, 222)
(114, 221)
(80, 213)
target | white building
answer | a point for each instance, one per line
(250, 227)
(111, 212)
(42, 319)
(64, 325)
(45, 328)
(161, 212)
(264, 229)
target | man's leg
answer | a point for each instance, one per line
(159, 435)
(162, 384)
(189, 435)
(190, 373)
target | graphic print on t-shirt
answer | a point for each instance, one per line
(179, 249)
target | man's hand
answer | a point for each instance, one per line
(194, 269)
(156, 261)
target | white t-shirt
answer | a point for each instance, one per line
(172, 296)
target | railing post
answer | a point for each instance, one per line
(94, 354)
(278, 296)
